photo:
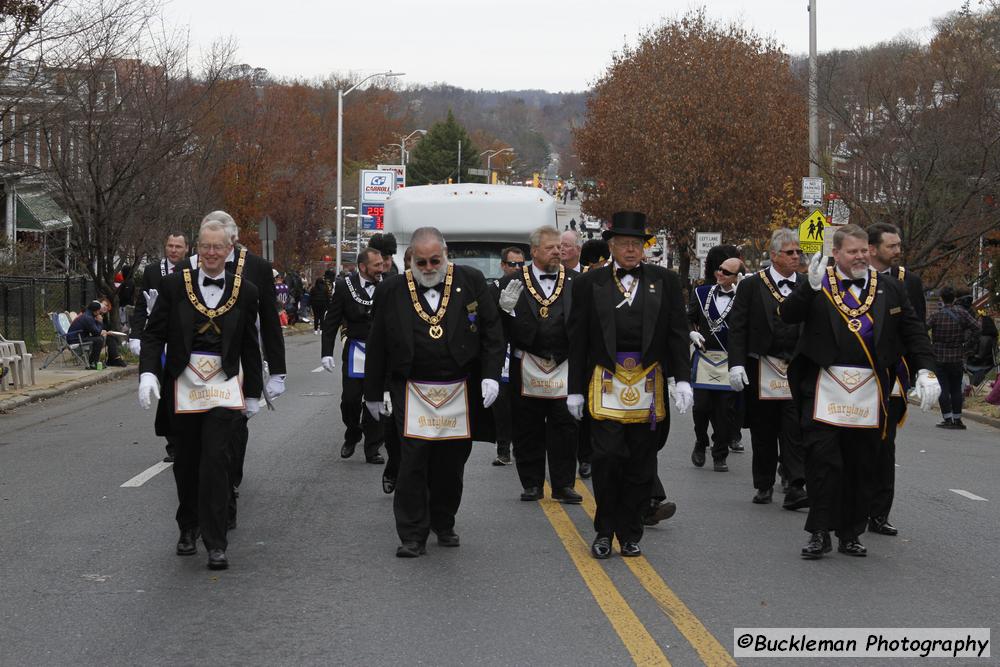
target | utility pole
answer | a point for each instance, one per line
(458, 179)
(813, 95)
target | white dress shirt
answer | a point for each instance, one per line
(433, 298)
(855, 290)
(367, 285)
(548, 285)
(723, 299)
(211, 294)
(627, 282)
(776, 277)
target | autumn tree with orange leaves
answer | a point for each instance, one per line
(699, 126)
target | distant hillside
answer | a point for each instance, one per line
(535, 123)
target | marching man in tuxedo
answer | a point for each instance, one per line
(857, 327)
(437, 342)
(257, 270)
(351, 306)
(213, 379)
(708, 314)
(761, 346)
(628, 335)
(885, 249)
(535, 302)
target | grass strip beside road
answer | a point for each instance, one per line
(634, 635)
(704, 642)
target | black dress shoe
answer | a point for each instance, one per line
(585, 470)
(388, 484)
(819, 544)
(763, 496)
(532, 493)
(217, 559)
(377, 459)
(881, 525)
(698, 456)
(502, 460)
(946, 423)
(736, 446)
(957, 423)
(852, 547)
(187, 545)
(168, 458)
(347, 451)
(659, 512)
(567, 495)
(601, 548)
(795, 499)
(411, 550)
(631, 550)
(447, 538)
(720, 466)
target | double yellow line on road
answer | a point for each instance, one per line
(634, 635)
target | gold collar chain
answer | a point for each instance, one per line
(436, 330)
(621, 288)
(770, 286)
(212, 313)
(838, 298)
(545, 303)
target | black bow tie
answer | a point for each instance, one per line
(719, 295)
(548, 276)
(173, 268)
(218, 282)
(859, 282)
(422, 289)
(786, 283)
(622, 272)
(365, 284)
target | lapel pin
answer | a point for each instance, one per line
(458, 289)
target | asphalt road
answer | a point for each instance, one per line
(88, 573)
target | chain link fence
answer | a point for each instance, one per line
(25, 304)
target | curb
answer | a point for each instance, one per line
(977, 417)
(66, 387)
(111, 374)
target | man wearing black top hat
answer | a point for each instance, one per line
(386, 245)
(628, 334)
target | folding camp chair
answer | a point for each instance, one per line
(80, 351)
(978, 375)
(21, 350)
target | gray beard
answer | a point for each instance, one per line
(429, 280)
(859, 273)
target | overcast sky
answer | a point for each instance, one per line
(509, 44)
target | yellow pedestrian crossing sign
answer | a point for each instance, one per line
(811, 232)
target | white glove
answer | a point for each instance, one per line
(738, 379)
(817, 268)
(386, 405)
(150, 300)
(328, 364)
(490, 389)
(683, 397)
(697, 339)
(574, 403)
(928, 389)
(276, 386)
(510, 295)
(149, 388)
(671, 389)
(252, 407)
(374, 408)
(135, 346)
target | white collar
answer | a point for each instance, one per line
(222, 274)
(843, 276)
(232, 255)
(777, 277)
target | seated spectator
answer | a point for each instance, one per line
(987, 342)
(89, 328)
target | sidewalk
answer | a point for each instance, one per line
(58, 379)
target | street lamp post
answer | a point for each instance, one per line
(341, 94)
(402, 144)
(489, 156)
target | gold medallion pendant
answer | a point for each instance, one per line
(543, 311)
(435, 331)
(854, 325)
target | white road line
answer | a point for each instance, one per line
(970, 496)
(318, 369)
(147, 474)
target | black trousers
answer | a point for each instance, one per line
(950, 374)
(884, 477)
(840, 463)
(584, 450)
(502, 413)
(430, 480)
(391, 437)
(544, 428)
(357, 420)
(775, 435)
(97, 344)
(318, 313)
(624, 471)
(201, 472)
(719, 407)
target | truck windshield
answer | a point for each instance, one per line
(479, 255)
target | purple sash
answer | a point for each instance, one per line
(867, 331)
